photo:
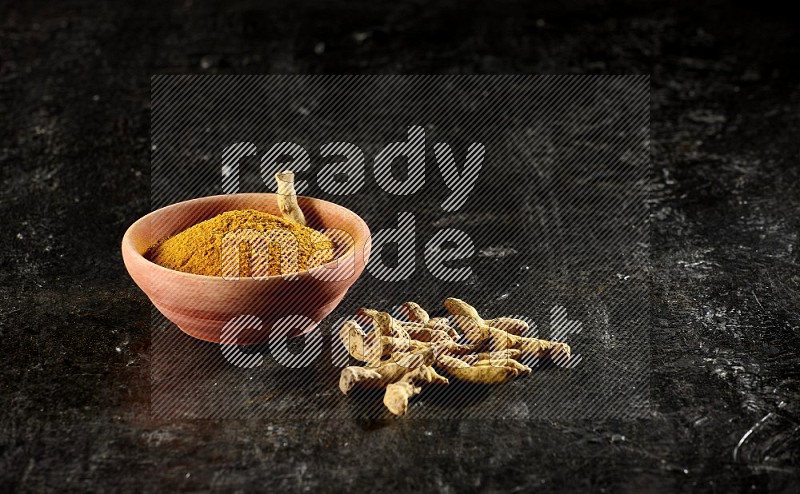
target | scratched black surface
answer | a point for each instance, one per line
(75, 331)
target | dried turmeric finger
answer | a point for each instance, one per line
(427, 334)
(415, 312)
(477, 330)
(353, 375)
(505, 369)
(413, 359)
(390, 326)
(463, 310)
(482, 374)
(442, 324)
(509, 362)
(372, 347)
(500, 340)
(495, 355)
(448, 361)
(384, 323)
(371, 314)
(429, 375)
(416, 331)
(436, 321)
(287, 198)
(446, 346)
(370, 377)
(362, 346)
(399, 345)
(397, 395)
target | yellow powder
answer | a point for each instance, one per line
(263, 245)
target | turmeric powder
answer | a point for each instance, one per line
(266, 244)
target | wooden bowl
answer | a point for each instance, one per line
(246, 310)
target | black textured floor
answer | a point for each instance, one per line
(75, 331)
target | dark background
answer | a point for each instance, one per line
(75, 331)
(562, 189)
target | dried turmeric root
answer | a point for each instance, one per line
(500, 340)
(491, 331)
(287, 198)
(478, 374)
(372, 347)
(390, 326)
(402, 357)
(398, 393)
(463, 310)
(474, 358)
(415, 312)
(365, 377)
(521, 368)
(384, 375)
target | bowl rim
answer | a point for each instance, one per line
(127, 242)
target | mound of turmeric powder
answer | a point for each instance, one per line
(266, 246)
